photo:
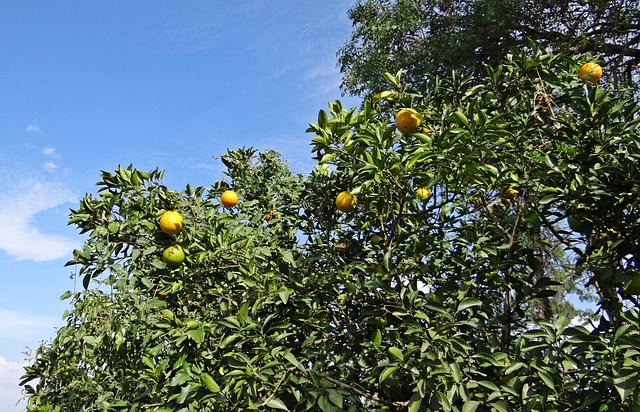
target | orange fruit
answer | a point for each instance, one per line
(229, 198)
(423, 192)
(509, 193)
(345, 201)
(407, 120)
(171, 222)
(590, 72)
(173, 256)
(267, 217)
(340, 247)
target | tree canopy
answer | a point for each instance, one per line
(428, 37)
(426, 296)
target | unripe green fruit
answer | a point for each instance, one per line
(173, 256)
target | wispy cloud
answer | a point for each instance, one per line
(10, 393)
(32, 128)
(49, 166)
(20, 205)
(323, 79)
(48, 151)
(16, 325)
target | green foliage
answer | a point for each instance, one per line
(434, 37)
(456, 306)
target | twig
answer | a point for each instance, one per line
(275, 389)
(357, 391)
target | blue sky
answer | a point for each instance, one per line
(87, 86)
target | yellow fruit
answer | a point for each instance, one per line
(376, 240)
(423, 192)
(340, 247)
(510, 193)
(173, 256)
(632, 287)
(345, 201)
(171, 222)
(590, 72)
(229, 198)
(407, 120)
(380, 269)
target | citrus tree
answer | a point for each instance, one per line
(436, 36)
(412, 269)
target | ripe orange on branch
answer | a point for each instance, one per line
(510, 193)
(171, 222)
(590, 72)
(423, 192)
(408, 120)
(229, 198)
(345, 201)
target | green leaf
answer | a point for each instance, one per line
(547, 379)
(284, 294)
(468, 303)
(626, 382)
(243, 313)
(414, 402)
(323, 119)
(456, 372)
(513, 367)
(292, 359)
(461, 119)
(396, 353)
(548, 199)
(551, 161)
(113, 227)
(391, 78)
(500, 405)
(470, 406)
(209, 383)
(386, 373)
(377, 339)
(197, 335)
(335, 397)
(276, 403)
(489, 385)
(383, 95)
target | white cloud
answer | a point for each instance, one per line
(49, 166)
(328, 69)
(20, 326)
(32, 128)
(49, 151)
(17, 331)
(22, 239)
(10, 393)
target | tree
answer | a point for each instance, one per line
(429, 37)
(305, 312)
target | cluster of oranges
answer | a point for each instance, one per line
(407, 121)
(171, 224)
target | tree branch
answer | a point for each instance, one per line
(357, 391)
